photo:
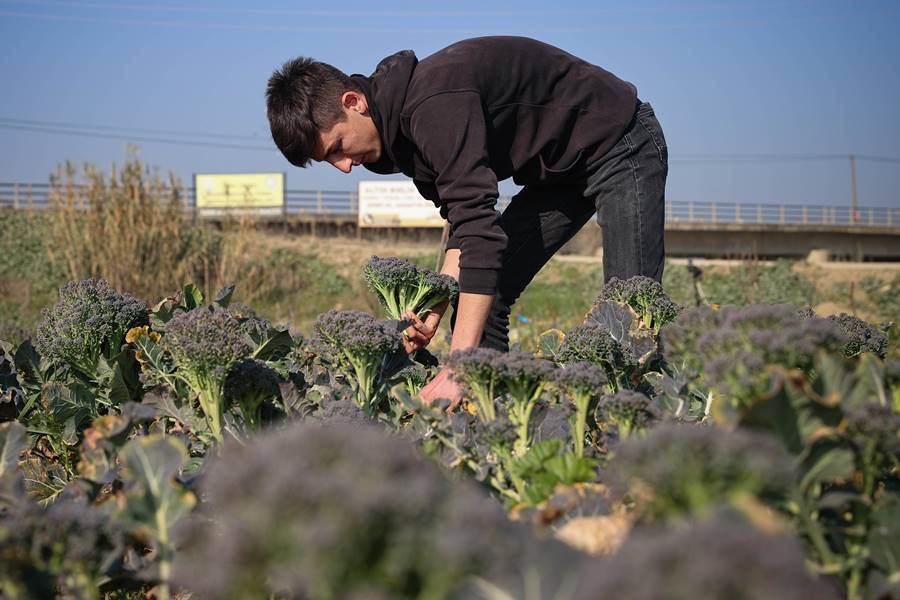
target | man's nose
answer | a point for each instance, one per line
(344, 165)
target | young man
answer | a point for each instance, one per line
(482, 110)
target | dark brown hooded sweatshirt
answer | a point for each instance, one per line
(483, 110)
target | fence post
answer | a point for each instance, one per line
(759, 213)
(690, 210)
(805, 216)
(781, 214)
(871, 216)
(15, 195)
(712, 212)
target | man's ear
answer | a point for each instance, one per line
(354, 101)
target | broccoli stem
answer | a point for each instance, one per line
(524, 401)
(210, 392)
(582, 402)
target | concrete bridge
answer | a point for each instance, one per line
(693, 229)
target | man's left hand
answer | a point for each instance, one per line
(443, 386)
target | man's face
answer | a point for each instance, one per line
(354, 140)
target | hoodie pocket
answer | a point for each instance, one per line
(555, 173)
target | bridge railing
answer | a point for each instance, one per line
(330, 202)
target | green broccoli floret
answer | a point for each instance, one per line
(629, 412)
(251, 384)
(583, 383)
(205, 343)
(645, 296)
(592, 342)
(89, 322)
(475, 368)
(522, 376)
(361, 347)
(403, 287)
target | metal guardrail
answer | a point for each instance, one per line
(329, 202)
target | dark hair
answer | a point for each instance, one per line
(303, 99)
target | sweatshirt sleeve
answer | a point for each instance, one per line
(449, 130)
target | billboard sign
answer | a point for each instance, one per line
(239, 193)
(395, 204)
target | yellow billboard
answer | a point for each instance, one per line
(259, 193)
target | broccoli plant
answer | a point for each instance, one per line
(475, 368)
(678, 471)
(88, 323)
(522, 377)
(731, 347)
(839, 422)
(583, 383)
(204, 344)
(403, 287)
(645, 296)
(629, 412)
(291, 528)
(252, 386)
(592, 342)
(367, 351)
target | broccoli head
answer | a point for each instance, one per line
(205, 343)
(403, 287)
(252, 385)
(414, 377)
(645, 296)
(360, 346)
(354, 513)
(475, 368)
(628, 411)
(89, 322)
(678, 471)
(862, 336)
(592, 342)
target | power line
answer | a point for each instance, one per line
(131, 138)
(129, 129)
(79, 130)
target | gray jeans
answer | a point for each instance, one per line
(625, 188)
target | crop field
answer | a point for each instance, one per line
(730, 434)
(647, 448)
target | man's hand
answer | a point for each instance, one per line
(444, 385)
(419, 333)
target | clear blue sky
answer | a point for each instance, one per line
(749, 92)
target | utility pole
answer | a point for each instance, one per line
(853, 199)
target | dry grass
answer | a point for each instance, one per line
(128, 228)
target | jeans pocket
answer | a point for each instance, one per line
(647, 118)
